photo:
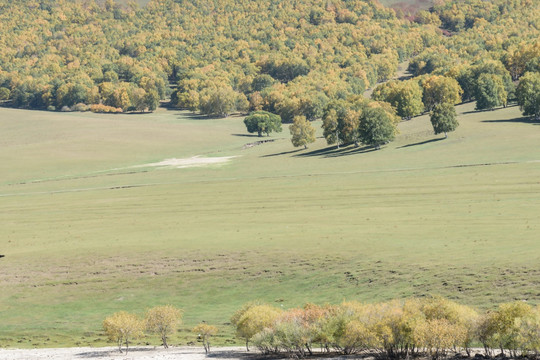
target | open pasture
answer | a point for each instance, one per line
(90, 228)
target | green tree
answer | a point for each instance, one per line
(261, 82)
(443, 118)
(528, 95)
(330, 126)
(489, 92)
(302, 132)
(4, 93)
(123, 327)
(263, 122)
(163, 320)
(376, 127)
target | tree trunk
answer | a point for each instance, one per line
(260, 133)
(247, 345)
(305, 146)
(445, 135)
(164, 340)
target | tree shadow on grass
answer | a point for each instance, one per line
(231, 354)
(282, 153)
(106, 353)
(421, 143)
(250, 135)
(524, 120)
(332, 151)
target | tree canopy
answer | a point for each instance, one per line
(443, 118)
(262, 122)
(528, 94)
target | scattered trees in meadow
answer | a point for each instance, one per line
(359, 120)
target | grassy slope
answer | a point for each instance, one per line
(86, 234)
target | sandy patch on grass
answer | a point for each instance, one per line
(195, 161)
(136, 353)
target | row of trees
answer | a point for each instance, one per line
(123, 327)
(396, 329)
(374, 123)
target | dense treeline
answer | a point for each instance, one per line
(223, 56)
(431, 326)
(287, 58)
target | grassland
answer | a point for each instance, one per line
(87, 229)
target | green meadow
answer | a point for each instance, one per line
(90, 226)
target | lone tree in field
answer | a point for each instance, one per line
(443, 119)
(163, 320)
(376, 127)
(302, 132)
(123, 327)
(263, 122)
(528, 95)
(205, 332)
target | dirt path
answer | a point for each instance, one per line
(137, 353)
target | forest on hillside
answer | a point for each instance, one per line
(289, 58)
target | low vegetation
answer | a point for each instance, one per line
(432, 326)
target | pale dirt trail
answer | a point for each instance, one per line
(137, 353)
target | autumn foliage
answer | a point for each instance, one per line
(432, 326)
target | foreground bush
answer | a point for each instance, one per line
(434, 327)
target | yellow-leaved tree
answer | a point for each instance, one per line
(205, 332)
(252, 319)
(163, 320)
(123, 327)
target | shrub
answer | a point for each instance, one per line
(100, 108)
(80, 107)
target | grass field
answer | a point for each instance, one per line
(89, 229)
